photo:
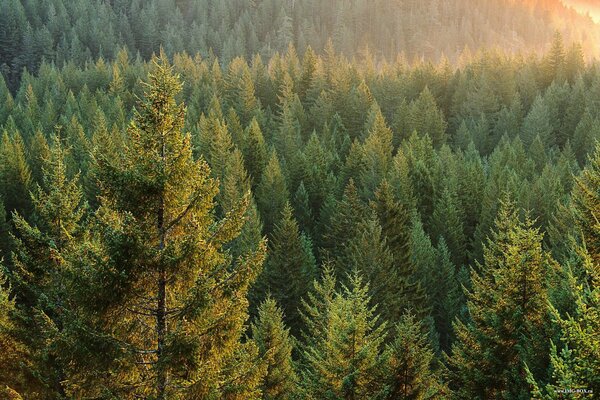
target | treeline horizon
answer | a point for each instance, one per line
(80, 31)
(302, 227)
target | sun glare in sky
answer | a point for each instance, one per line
(586, 6)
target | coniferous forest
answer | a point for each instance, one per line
(299, 200)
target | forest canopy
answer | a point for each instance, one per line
(319, 213)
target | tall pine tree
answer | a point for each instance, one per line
(176, 306)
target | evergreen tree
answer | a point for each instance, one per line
(447, 222)
(426, 118)
(345, 362)
(290, 255)
(271, 193)
(236, 186)
(41, 271)
(275, 346)
(377, 154)
(554, 62)
(537, 123)
(585, 136)
(15, 175)
(5, 238)
(576, 363)
(172, 283)
(409, 364)
(255, 152)
(14, 355)
(343, 226)
(586, 203)
(508, 318)
(315, 307)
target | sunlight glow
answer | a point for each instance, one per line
(586, 6)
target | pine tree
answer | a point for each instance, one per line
(345, 362)
(235, 187)
(554, 61)
(447, 222)
(395, 223)
(586, 134)
(14, 354)
(290, 256)
(303, 211)
(445, 293)
(255, 152)
(508, 319)
(369, 254)
(408, 372)
(377, 154)
(271, 193)
(41, 271)
(275, 346)
(343, 226)
(173, 285)
(427, 119)
(537, 123)
(15, 175)
(316, 305)
(576, 362)
(586, 202)
(5, 238)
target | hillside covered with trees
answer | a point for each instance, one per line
(292, 223)
(76, 31)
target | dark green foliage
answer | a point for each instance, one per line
(343, 360)
(271, 193)
(586, 203)
(275, 346)
(391, 170)
(508, 317)
(160, 278)
(15, 175)
(408, 370)
(290, 255)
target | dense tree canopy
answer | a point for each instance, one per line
(294, 225)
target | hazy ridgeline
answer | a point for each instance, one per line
(76, 31)
(298, 224)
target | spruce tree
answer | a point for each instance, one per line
(316, 305)
(554, 61)
(271, 193)
(409, 364)
(173, 287)
(427, 119)
(377, 154)
(275, 346)
(575, 361)
(508, 319)
(5, 238)
(586, 203)
(344, 225)
(16, 379)
(255, 152)
(42, 273)
(447, 222)
(345, 362)
(15, 174)
(290, 256)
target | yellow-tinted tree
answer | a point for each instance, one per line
(171, 303)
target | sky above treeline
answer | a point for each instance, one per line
(586, 6)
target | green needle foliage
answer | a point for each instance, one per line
(508, 317)
(275, 346)
(176, 306)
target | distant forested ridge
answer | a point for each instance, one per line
(300, 226)
(76, 31)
